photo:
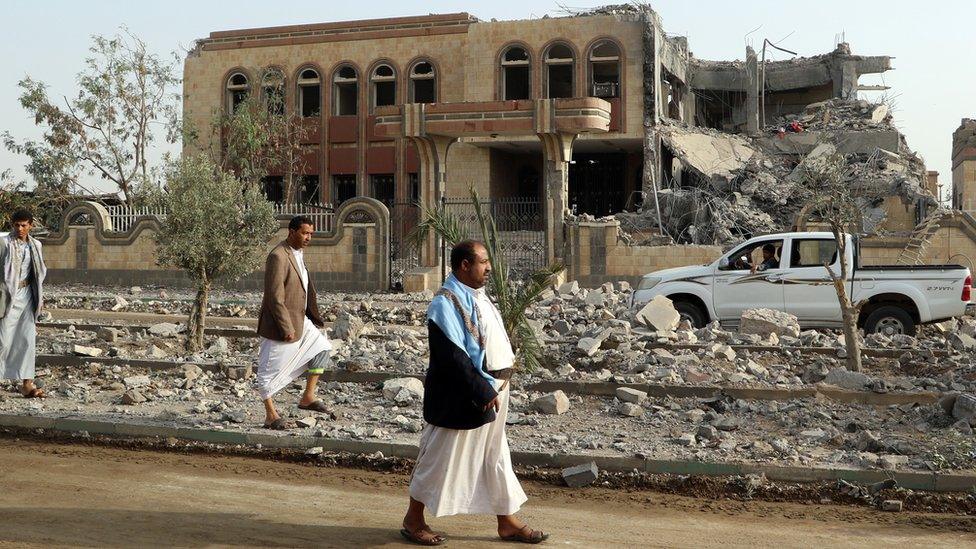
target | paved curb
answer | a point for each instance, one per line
(573, 387)
(916, 481)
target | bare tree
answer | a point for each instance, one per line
(125, 94)
(216, 229)
(840, 206)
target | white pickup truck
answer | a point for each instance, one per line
(786, 272)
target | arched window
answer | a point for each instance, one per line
(345, 92)
(559, 64)
(516, 81)
(237, 90)
(383, 80)
(273, 91)
(309, 93)
(423, 83)
(604, 70)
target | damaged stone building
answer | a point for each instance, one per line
(589, 114)
(964, 166)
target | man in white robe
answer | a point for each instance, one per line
(464, 465)
(21, 297)
(290, 325)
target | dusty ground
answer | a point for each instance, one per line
(56, 495)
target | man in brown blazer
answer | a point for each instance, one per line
(290, 325)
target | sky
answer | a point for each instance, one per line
(933, 84)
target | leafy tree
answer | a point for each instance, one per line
(46, 201)
(261, 135)
(512, 296)
(124, 93)
(216, 229)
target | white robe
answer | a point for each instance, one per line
(470, 471)
(279, 362)
(18, 331)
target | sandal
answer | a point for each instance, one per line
(36, 392)
(533, 536)
(277, 425)
(317, 406)
(418, 539)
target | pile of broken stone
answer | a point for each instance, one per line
(591, 336)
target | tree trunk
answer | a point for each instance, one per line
(851, 341)
(198, 318)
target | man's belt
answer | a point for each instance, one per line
(504, 374)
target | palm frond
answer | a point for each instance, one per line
(441, 222)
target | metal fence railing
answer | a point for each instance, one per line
(520, 225)
(124, 216)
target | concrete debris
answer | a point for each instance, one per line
(580, 475)
(628, 409)
(841, 377)
(347, 326)
(82, 350)
(133, 397)
(626, 394)
(892, 505)
(659, 315)
(403, 389)
(964, 408)
(763, 322)
(166, 329)
(555, 403)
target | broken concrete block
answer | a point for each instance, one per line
(626, 394)
(108, 334)
(166, 329)
(764, 322)
(841, 377)
(659, 315)
(133, 397)
(720, 350)
(589, 346)
(708, 432)
(191, 371)
(347, 326)
(580, 475)
(962, 342)
(879, 113)
(628, 409)
(136, 381)
(120, 303)
(687, 439)
(156, 352)
(307, 422)
(413, 387)
(595, 298)
(569, 288)
(82, 350)
(554, 403)
(314, 451)
(562, 327)
(892, 505)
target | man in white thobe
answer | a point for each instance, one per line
(464, 465)
(290, 325)
(21, 297)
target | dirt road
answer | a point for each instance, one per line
(74, 495)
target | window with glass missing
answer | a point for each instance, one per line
(560, 67)
(237, 91)
(345, 92)
(515, 72)
(343, 188)
(309, 93)
(273, 91)
(604, 70)
(384, 86)
(383, 187)
(423, 83)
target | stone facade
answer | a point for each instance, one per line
(964, 166)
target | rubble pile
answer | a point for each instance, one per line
(724, 187)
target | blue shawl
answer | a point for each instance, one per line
(442, 312)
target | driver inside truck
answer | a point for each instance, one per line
(769, 259)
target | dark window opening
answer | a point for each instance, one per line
(275, 99)
(720, 109)
(596, 183)
(308, 187)
(309, 93)
(423, 87)
(560, 82)
(414, 182)
(605, 70)
(346, 91)
(385, 93)
(274, 188)
(343, 188)
(516, 74)
(383, 188)
(237, 90)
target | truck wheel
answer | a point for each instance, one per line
(889, 320)
(690, 312)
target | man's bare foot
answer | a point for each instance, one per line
(512, 529)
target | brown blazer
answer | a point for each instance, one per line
(283, 308)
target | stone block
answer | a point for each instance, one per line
(580, 475)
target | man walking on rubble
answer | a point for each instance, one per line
(21, 297)
(290, 325)
(464, 465)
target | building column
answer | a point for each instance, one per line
(754, 88)
(557, 151)
(432, 152)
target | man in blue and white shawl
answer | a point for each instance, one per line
(21, 296)
(464, 465)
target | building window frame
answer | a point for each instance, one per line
(345, 78)
(428, 79)
(604, 59)
(237, 88)
(509, 62)
(549, 61)
(388, 79)
(273, 90)
(309, 78)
